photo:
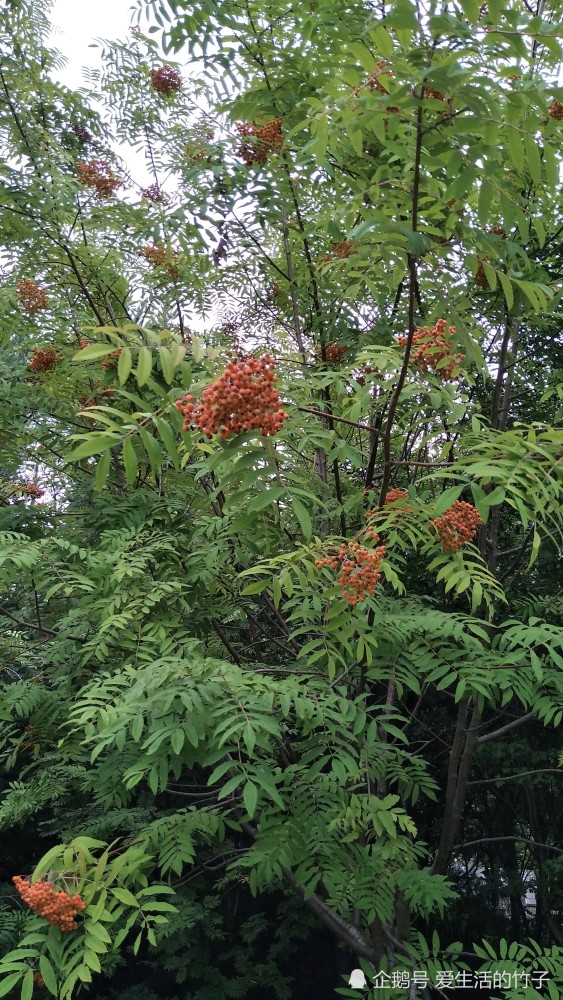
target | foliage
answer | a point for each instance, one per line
(281, 622)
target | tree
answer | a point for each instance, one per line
(296, 561)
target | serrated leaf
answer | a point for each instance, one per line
(48, 974)
(93, 446)
(102, 470)
(9, 982)
(93, 352)
(250, 798)
(166, 364)
(302, 515)
(130, 461)
(124, 896)
(144, 366)
(124, 365)
(27, 986)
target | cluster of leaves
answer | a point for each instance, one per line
(170, 628)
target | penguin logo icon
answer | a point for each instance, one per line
(357, 979)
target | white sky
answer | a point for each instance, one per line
(77, 25)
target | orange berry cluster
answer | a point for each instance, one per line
(358, 569)
(166, 80)
(153, 193)
(343, 249)
(498, 230)
(43, 359)
(108, 363)
(31, 296)
(334, 352)
(437, 95)
(373, 83)
(82, 344)
(28, 489)
(457, 526)
(160, 256)
(38, 979)
(98, 174)
(55, 905)
(555, 110)
(243, 398)
(433, 348)
(259, 141)
(396, 494)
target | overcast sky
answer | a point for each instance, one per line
(76, 26)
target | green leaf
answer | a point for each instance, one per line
(250, 798)
(125, 896)
(93, 352)
(7, 984)
(130, 461)
(265, 499)
(102, 471)
(507, 289)
(144, 366)
(153, 450)
(124, 365)
(94, 444)
(166, 364)
(27, 986)
(48, 974)
(302, 515)
(446, 499)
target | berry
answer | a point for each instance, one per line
(433, 348)
(457, 526)
(38, 979)
(98, 174)
(396, 495)
(153, 193)
(81, 133)
(343, 249)
(480, 276)
(555, 110)
(243, 398)
(430, 92)
(357, 568)
(166, 80)
(259, 141)
(162, 257)
(373, 82)
(31, 296)
(43, 360)
(55, 905)
(333, 353)
(108, 363)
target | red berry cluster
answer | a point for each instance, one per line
(343, 249)
(166, 80)
(160, 256)
(27, 489)
(243, 398)
(480, 276)
(372, 83)
(154, 193)
(437, 95)
(396, 494)
(38, 979)
(82, 344)
(43, 359)
(55, 905)
(31, 296)
(555, 110)
(358, 569)
(432, 348)
(98, 174)
(108, 363)
(457, 526)
(81, 132)
(498, 230)
(259, 141)
(333, 353)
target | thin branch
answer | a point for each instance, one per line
(506, 729)
(494, 840)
